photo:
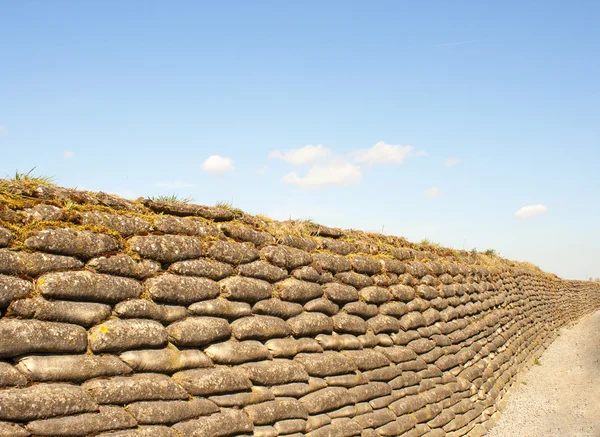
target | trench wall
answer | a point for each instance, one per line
(153, 319)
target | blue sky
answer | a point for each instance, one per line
(133, 97)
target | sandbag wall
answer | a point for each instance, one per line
(203, 326)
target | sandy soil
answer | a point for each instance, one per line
(560, 397)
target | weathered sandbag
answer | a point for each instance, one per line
(245, 289)
(361, 309)
(332, 263)
(78, 313)
(169, 412)
(226, 423)
(327, 399)
(321, 305)
(354, 279)
(367, 359)
(262, 270)
(181, 290)
(21, 337)
(375, 295)
(35, 264)
(186, 226)
(348, 381)
(119, 335)
(277, 308)
(166, 360)
(44, 400)
(207, 268)
(398, 354)
(408, 405)
(295, 290)
(13, 288)
(310, 324)
(167, 248)
(346, 323)
(365, 264)
(237, 352)
(398, 426)
(289, 347)
(275, 372)
(395, 309)
(291, 426)
(108, 418)
(121, 390)
(286, 257)
(221, 308)
(5, 237)
(124, 265)
(11, 377)
(126, 225)
(233, 253)
(244, 233)
(259, 328)
(212, 381)
(326, 363)
(11, 429)
(87, 286)
(370, 391)
(71, 367)
(73, 242)
(383, 323)
(412, 320)
(340, 293)
(375, 419)
(198, 331)
(256, 395)
(146, 309)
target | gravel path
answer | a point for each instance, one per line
(560, 397)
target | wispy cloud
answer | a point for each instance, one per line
(263, 170)
(174, 184)
(218, 165)
(68, 155)
(330, 168)
(454, 43)
(432, 192)
(452, 162)
(382, 153)
(339, 173)
(531, 211)
(3, 129)
(304, 155)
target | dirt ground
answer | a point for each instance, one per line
(560, 397)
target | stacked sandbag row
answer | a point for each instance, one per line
(183, 326)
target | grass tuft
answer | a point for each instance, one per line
(172, 198)
(27, 179)
(229, 207)
(537, 361)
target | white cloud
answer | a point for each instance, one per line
(335, 173)
(174, 184)
(433, 192)
(3, 129)
(382, 153)
(263, 170)
(531, 211)
(421, 153)
(218, 165)
(304, 155)
(452, 162)
(68, 155)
